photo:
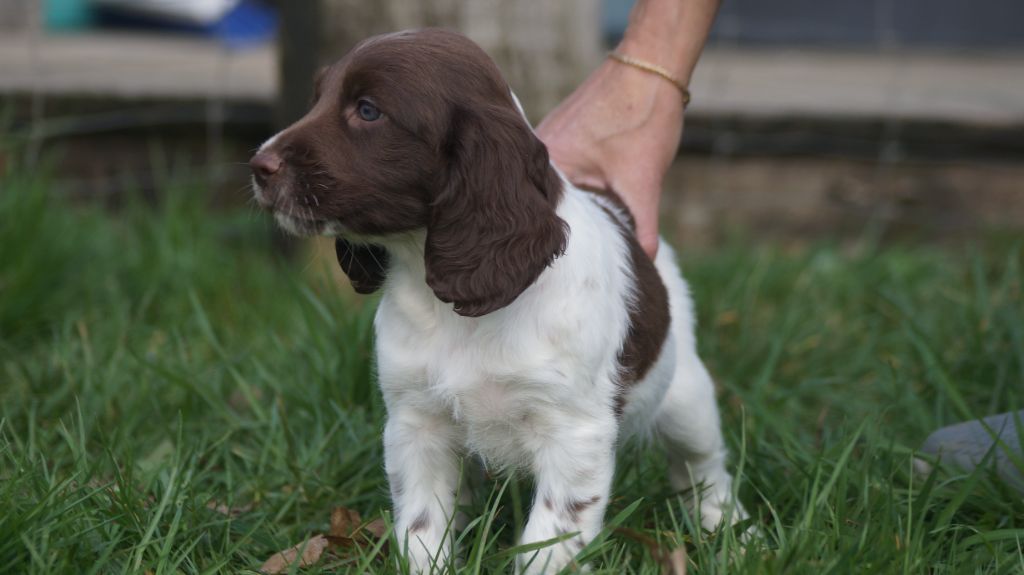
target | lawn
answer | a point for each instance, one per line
(178, 397)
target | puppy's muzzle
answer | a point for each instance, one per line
(265, 168)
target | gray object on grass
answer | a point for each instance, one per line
(966, 444)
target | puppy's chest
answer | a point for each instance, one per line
(475, 372)
(499, 382)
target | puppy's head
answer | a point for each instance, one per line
(418, 130)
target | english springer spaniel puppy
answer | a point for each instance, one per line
(521, 325)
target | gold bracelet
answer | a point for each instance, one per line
(653, 69)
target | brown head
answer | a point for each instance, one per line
(418, 131)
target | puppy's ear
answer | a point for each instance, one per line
(364, 264)
(493, 227)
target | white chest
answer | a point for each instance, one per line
(502, 382)
(507, 379)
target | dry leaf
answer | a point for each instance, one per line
(239, 401)
(347, 531)
(376, 528)
(727, 317)
(311, 550)
(674, 563)
(347, 523)
(224, 509)
(344, 522)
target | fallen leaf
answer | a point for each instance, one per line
(347, 523)
(225, 509)
(241, 402)
(674, 563)
(727, 317)
(310, 549)
(348, 530)
(377, 528)
(344, 522)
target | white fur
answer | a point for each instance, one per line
(532, 387)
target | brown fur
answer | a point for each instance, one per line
(649, 316)
(579, 506)
(420, 523)
(450, 154)
(649, 320)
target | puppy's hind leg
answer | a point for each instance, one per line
(687, 419)
(688, 423)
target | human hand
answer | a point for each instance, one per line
(620, 130)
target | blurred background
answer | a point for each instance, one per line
(848, 202)
(810, 118)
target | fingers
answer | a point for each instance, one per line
(642, 194)
(646, 217)
(649, 242)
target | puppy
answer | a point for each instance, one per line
(520, 322)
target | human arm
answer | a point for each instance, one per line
(621, 128)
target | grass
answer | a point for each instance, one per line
(155, 359)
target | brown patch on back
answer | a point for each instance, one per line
(649, 315)
(616, 200)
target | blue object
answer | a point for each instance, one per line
(67, 14)
(614, 19)
(965, 446)
(250, 22)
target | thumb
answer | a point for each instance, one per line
(648, 238)
(642, 200)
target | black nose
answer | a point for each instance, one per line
(264, 165)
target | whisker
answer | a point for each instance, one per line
(373, 255)
(357, 261)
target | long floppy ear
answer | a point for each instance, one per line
(364, 264)
(493, 227)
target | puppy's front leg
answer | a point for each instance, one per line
(573, 469)
(423, 473)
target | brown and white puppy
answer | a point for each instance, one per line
(520, 322)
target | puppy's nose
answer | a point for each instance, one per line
(264, 165)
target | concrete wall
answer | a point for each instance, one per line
(17, 14)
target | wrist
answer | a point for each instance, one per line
(670, 33)
(655, 51)
(651, 68)
(648, 95)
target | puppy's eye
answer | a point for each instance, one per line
(367, 111)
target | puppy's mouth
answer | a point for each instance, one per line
(300, 226)
(292, 215)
